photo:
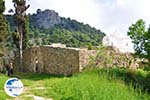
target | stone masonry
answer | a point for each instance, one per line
(56, 60)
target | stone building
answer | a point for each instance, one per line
(58, 60)
(122, 42)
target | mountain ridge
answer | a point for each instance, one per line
(49, 18)
(46, 27)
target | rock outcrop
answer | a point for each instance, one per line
(46, 19)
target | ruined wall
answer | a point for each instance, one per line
(66, 61)
(55, 60)
(1, 65)
(112, 57)
(84, 57)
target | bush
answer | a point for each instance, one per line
(137, 78)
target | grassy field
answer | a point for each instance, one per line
(89, 85)
(3, 78)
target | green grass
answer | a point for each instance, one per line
(89, 85)
(3, 79)
(138, 78)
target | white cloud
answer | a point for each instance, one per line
(81, 10)
(9, 5)
(123, 2)
(107, 15)
(120, 14)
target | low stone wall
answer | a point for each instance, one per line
(116, 59)
(55, 60)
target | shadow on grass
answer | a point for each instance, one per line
(36, 76)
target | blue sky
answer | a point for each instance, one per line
(108, 15)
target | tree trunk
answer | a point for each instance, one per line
(20, 8)
(20, 48)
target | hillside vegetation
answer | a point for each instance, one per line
(46, 27)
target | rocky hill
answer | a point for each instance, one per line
(45, 19)
(46, 27)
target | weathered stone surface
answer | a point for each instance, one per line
(61, 60)
(1, 65)
(118, 59)
(55, 60)
(46, 19)
(84, 56)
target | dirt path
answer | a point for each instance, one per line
(28, 95)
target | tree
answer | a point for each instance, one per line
(3, 24)
(141, 39)
(20, 20)
(3, 29)
(2, 6)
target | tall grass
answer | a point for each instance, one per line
(97, 84)
(93, 85)
(138, 78)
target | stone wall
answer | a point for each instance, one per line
(115, 58)
(55, 60)
(1, 65)
(84, 56)
(66, 61)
